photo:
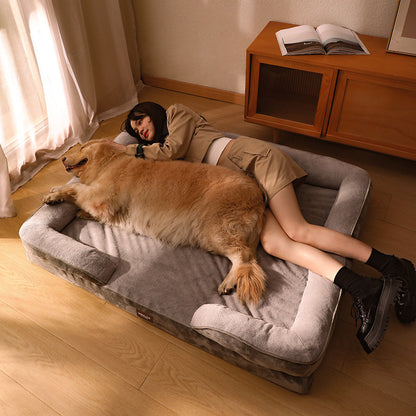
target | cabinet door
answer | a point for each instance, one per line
(288, 95)
(375, 113)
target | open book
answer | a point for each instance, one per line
(327, 39)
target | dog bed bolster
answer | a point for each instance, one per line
(263, 342)
(41, 236)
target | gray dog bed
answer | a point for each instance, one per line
(282, 339)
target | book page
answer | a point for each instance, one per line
(339, 40)
(299, 40)
(331, 33)
(304, 33)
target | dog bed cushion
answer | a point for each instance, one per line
(283, 338)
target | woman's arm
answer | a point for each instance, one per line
(181, 125)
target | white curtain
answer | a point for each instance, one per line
(65, 65)
(6, 203)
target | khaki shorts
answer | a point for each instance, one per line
(272, 168)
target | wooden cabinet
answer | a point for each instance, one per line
(367, 101)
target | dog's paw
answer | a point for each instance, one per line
(226, 289)
(53, 198)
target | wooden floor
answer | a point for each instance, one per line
(65, 352)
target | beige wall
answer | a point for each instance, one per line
(204, 41)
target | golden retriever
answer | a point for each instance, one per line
(177, 202)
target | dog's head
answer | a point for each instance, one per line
(92, 156)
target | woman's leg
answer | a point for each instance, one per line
(288, 236)
(285, 208)
(276, 242)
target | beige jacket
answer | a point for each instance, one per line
(189, 137)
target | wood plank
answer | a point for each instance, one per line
(335, 393)
(79, 318)
(16, 401)
(385, 370)
(189, 386)
(61, 376)
(390, 238)
(398, 211)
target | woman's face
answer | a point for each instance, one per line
(144, 128)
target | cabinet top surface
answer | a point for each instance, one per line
(379, 62)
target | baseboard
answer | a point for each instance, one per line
(194, 89)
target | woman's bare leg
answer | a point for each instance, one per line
(286, 234)
(276, 242)
(285, 208)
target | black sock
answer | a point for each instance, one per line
(384, 263)
(356, 285)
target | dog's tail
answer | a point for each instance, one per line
(251, 282)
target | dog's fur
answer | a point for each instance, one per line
(177, 202)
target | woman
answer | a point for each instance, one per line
(180, 133)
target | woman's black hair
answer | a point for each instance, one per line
(156, 113)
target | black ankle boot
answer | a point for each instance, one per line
(373, 311)
(405, 305)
